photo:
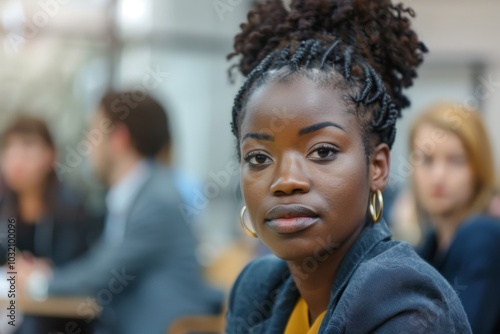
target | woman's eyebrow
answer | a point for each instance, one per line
(319, 126)
(258, 136)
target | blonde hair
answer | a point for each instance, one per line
(467, 125)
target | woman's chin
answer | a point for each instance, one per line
(299, 254)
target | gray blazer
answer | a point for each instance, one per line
(381, 286)
(149, 279)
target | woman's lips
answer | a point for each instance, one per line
(291, 225)
(438, 193)
(292, 218)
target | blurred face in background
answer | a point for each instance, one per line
(443, 176)
(26, 162)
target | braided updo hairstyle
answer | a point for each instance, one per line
(370, 43)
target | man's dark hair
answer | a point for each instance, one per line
(26, 125)
(143, 116)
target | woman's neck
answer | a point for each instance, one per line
(315, 286)
(31, 204)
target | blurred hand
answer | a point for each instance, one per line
(27, 264)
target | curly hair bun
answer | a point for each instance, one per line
(376, 29)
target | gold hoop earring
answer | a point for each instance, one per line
(248, 231)
(376, 214)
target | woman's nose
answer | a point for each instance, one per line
(439, 171)
(291, 177)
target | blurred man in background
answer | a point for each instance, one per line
(143, 271)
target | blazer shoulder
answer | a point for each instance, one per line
(256, 282)
(161, 183)
(158, 191)
(399, 262)
(393, 286)
(396, 282)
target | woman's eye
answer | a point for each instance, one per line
(427, 160)
(323, 152)
(257, 159)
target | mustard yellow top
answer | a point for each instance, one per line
(298, 323)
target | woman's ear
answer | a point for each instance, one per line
(380, 163)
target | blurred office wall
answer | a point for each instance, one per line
(463, 66)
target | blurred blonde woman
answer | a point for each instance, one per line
(453, 186)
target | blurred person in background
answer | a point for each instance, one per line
(453, 185)
(51, 220)
(143, 270)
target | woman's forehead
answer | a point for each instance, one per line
(431, 139)
(299, 102)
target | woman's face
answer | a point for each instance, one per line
(305, 177)
(26, 162)
(443, 176)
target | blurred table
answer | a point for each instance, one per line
(62, 307)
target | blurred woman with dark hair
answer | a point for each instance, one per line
(51, 222)
(453, 187)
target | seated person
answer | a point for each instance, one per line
(453, 185)
(51, 221)
(143, 271)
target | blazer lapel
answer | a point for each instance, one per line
(283, 305)
(369, 238)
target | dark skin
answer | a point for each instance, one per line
(301, 147)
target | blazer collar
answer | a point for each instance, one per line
(285, 301)
(372, 235)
